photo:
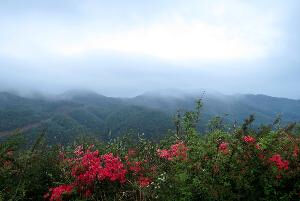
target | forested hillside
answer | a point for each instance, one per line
(75, 113)
(68, 117)
(231, 107)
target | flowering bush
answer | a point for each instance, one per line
(88, 168)
(217, 166)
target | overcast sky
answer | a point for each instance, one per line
(123, 48)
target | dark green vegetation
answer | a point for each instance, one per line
(72, 114)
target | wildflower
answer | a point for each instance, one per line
(223, 147)
(135, 167)
(79, 150)
(144, 181)
(59, 191)
(178, 150)
(258, 147)
(249, 139)
(163, 153)
(281, 164)
(92, 167)
(88, 167)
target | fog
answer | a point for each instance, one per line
(125, 48)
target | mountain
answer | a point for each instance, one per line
(232, 107)
(76, 113)
(73, 114)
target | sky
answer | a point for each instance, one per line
(124, 48)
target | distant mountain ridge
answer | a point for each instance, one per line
(237, 106)
(82, 112)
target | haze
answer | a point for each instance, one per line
(123, 48)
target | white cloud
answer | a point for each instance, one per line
(177, 41)
(231, 31)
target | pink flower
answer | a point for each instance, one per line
(249, 139)
(144, 181)
(281, 164)
(223, 147)
(163, 153)
(59, 191)
(258, 147)
(178, 150)
(89, 167)
(79, 150)
(135, 167)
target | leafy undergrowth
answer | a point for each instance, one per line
(218, 166)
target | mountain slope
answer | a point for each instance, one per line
(65, 118)
(235, 107)
(80, 113)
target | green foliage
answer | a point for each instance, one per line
(23, 173)
(207, 174)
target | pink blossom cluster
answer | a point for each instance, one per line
(279, 162)
(93, 167)
(176, 151)
(144, 181)
(223, 147)
(58, 192)
(249, 139)
(89, 167)
(136, 167)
